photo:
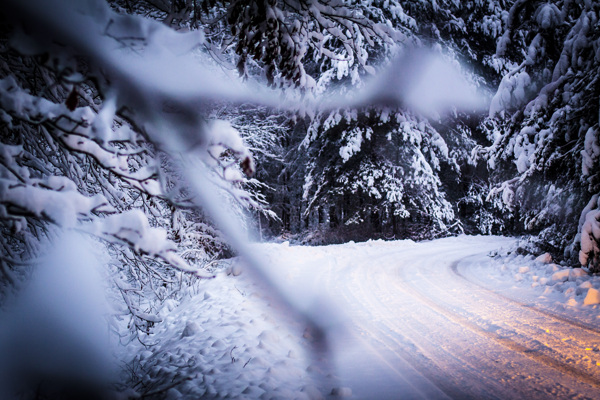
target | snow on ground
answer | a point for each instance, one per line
(538, 280)
(223, 341)
(438, 319)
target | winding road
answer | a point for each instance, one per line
(419, 328)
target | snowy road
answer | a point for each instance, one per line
(421, 326)
(429, 320)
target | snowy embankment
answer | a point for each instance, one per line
(434, 319)
(571, 292)
(225, 340)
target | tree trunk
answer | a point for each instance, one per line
(333, 217)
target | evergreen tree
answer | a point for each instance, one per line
(544, 124)
(375, 174)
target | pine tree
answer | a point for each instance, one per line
(544, 123)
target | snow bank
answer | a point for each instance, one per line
(539, 281)
(227, 339)
(589, 255)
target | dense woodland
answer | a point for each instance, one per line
(106, 107)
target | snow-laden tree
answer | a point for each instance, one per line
(71, 161)
(544, 123)
(342, 163)
(312, 45)
(280, 39)
(375, 173)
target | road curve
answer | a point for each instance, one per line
(418, 328)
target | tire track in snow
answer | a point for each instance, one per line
(424, 355)
(508, 343)
(491, 332)
(398, 343)
(477, 377)
(397, 354)
(406, 339)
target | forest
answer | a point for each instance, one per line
(173, 133)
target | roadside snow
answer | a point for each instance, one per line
(224, 340)
(569, 291)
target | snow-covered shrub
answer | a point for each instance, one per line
(71, 165)
(589, 236)
(84, 147)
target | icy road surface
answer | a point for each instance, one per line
(420, 323)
